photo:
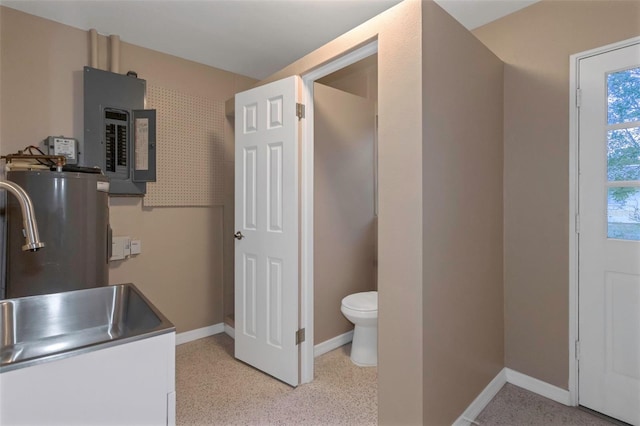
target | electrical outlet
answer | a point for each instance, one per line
(136, 247)
(120, 248)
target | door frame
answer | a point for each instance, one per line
(306, 200)
(574, 218)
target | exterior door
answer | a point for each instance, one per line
(266, 219)
(609, 233)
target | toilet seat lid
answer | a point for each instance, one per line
(365, 301)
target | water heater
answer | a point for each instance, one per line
(72, 212)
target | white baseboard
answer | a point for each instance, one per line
(538, 386)
(318, 349)
(467, 418)
(507, 375)
(230, 331)
(331, 344)
(199, 333)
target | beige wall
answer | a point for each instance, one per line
(535, 43)
(181, 266)
(440, 325)
(229, 217)
(462, 216)
(400, 358)
(423, 322)
(344, 222)
(359, 79)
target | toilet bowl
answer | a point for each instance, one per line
(362, 310)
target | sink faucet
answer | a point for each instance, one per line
(32, 238)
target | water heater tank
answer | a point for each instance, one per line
(72, 211)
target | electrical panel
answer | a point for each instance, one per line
(116, 141)
(120, 135)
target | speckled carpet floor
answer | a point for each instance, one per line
(514, 406)
(214, 389)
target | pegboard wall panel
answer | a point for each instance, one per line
(190, 150)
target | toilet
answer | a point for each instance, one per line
(362, 310)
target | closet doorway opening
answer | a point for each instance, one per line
(338, 197)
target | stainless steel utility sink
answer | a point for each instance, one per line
(42, 328)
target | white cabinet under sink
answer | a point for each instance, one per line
(128, 384)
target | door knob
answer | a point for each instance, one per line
(238, 235)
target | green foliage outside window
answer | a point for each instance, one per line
(623, 153)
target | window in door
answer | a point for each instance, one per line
(623, 154)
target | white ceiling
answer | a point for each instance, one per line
(251, 37)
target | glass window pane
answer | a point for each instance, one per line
(623, 154)
(623, 96)
(623, 213)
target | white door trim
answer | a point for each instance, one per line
(574, 182)
(306, 198)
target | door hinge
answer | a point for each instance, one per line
(578, 98)
(577, 349)
(300, 111)
(577, 223)
(300, 336)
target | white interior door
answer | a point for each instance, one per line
(609, 238)
(266, 216)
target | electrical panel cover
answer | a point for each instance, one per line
(119, 133)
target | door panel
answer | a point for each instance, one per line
(609, 240)
(266, 194)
